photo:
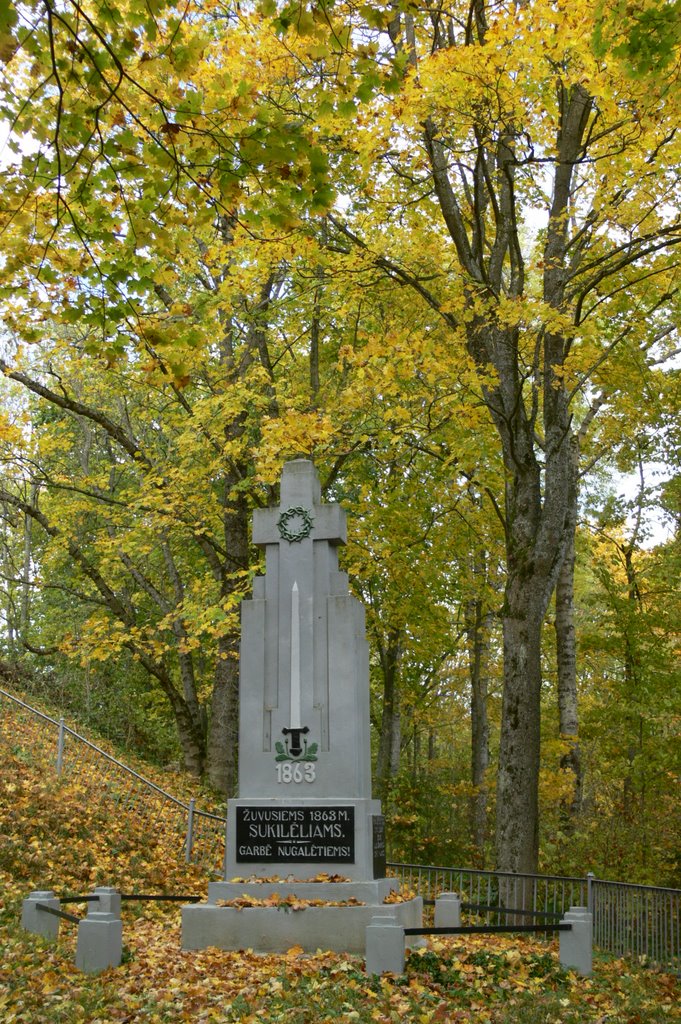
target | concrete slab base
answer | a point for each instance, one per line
(277, 929)
(372, 892)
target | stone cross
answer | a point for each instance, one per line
(300, 539)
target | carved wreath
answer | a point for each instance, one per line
(295, 524)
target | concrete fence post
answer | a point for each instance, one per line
(448, 910)
(37, 921)
(100, 934)
(108, 901)
(384, 946)
(576, 945)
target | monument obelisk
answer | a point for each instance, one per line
(304, 807)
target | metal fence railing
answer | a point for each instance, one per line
(629, 920)
(637, 920)
(182, 829)
(497, 889)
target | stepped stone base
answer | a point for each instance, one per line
(276, 929)
(370, 892)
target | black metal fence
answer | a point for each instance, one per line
(628, 920)
(495, 889)
(637, 920)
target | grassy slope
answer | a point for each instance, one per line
(59, 834)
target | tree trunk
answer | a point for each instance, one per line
(191, 742)
(476, 621)
(184, 657)
(566, 662)
(223, 730)
(223, 733)
(8, 611)
(538, 511)
(26, 569)
(517, 832)
(388, 760)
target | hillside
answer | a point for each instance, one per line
(58, 833)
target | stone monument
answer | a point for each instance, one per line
(304, 818)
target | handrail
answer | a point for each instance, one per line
(492, 929)
(199, 828)
(93, 746)
(640, 885)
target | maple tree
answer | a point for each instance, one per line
(123, 541)
(189, 174)
(503, 111)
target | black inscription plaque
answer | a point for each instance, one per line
(378, 835)
(295, 834)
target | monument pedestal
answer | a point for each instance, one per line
(305, 808)
(276, 928)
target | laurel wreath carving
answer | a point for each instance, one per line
(293, 533)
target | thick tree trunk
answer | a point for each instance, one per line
(476, 623)
(517, 832)
(223, 730)
(192, 747)
(223, 735)
(538, 514)
(186, 664)
(191, 741)
(566, 663)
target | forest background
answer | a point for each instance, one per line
(433, 247)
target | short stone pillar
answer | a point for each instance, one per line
(100, 934)
(37, 921)
(384, 946)
(576, 945)
(448, 910)
(108, 900)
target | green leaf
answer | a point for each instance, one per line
(375, 17)
(8, 16)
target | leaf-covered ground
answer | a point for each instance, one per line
(58, 834)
